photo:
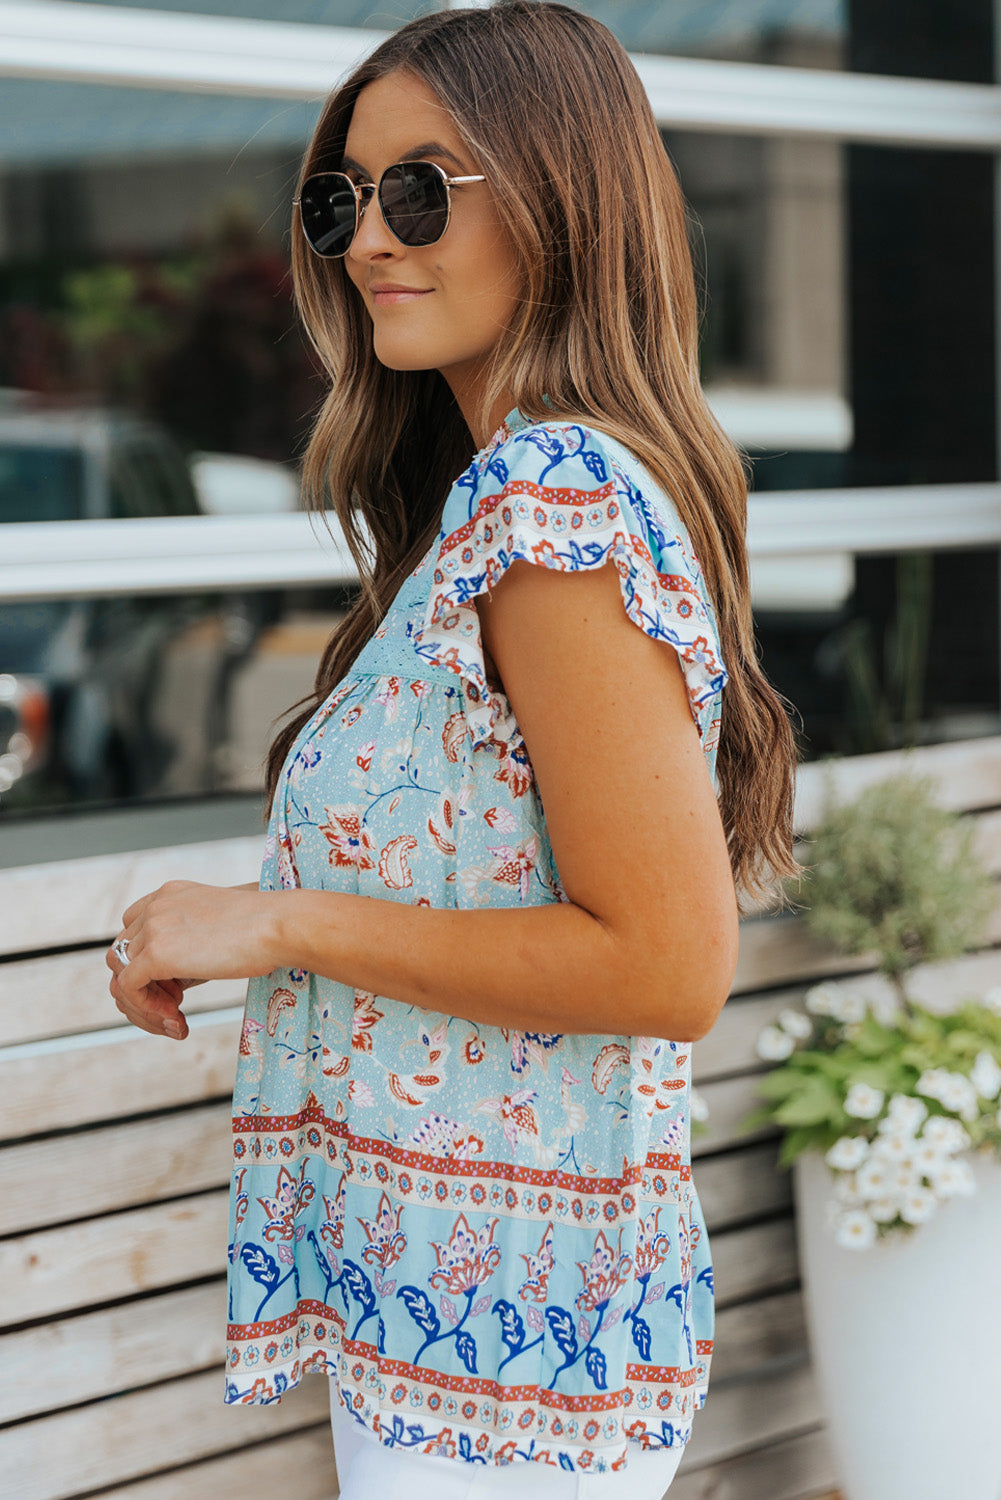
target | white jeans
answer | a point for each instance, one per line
(367, 1470)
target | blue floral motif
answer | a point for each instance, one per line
(452, 1219)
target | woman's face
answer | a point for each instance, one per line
(442, 306)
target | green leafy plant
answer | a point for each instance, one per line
(895, 875)
(892, 1092)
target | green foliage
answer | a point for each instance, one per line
(806, 1093)
(894, 874)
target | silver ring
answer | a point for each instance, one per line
(121, 950)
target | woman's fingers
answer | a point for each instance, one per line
(152, 1007)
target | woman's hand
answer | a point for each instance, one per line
(201, 931)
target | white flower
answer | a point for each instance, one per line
(918, 1206)
(847, 1192)
(985, 1075)
(959, 1096)
(821, 998)
(904, 1115)
(883, 1209)
(954, 1178)
(893, 1148)
(846, 1006)
(847, 1153)
(855, 1230)
(928, 1158)
(931, 1082)
(697, 1105)
(774, 1045)
(851, 1007)
(863, 1101)
(903, 1179)
(992, 1000)
(795, 1024)
(873, 1178)
(948, 1135)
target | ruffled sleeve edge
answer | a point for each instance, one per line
(583, 530)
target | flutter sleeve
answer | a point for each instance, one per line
(567, 498)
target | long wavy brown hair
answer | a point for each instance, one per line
(553, 112)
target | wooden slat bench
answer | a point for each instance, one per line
(114, 1162)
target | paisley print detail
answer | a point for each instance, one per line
(489, 1237)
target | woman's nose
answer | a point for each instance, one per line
(372, 238)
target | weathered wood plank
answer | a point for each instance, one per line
(110, 1442)
(117, 1349)
(757, 1258)
(730, 1047)
(104, 1075)
(82, 900)
(88, 1172)
(302, 1466)
(742, 1185)
(752, 1336)
(729, 1102)
(790, 1469)
(66, 993)
(742, 1415)
(57, 1270)
(967, 774)
(987, 841)
(780, 950)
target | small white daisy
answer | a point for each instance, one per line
(874, 1178)
(905, 1113)
(893, 1148)
(795, 1024)
(820, 998)
(855, 1230)
(954, 1179)
(863, 1101)
(774, 1045)
(985, 1075)
(847, 1153)
(918, 1206)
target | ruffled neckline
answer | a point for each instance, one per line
(512, 423)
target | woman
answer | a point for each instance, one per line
(498, 898)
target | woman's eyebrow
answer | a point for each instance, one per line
(416, 153)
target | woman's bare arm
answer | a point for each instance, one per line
(646, 944)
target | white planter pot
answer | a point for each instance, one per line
(906, 1341)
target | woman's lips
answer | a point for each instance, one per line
(387, 296)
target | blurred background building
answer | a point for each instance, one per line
(150, 363)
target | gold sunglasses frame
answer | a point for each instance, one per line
(364, 192)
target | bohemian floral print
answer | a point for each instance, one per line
(490, 1238)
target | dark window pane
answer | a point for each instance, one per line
(40, 484)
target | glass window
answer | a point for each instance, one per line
(39, 483)
(149, 699)
(147, 330)
(874, 653)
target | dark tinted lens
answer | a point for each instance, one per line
(414, 202)
(327, 209)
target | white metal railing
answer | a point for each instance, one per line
(72, 559)
(57, 39)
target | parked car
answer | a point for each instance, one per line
(104, 698)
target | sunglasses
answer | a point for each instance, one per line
(414, 197)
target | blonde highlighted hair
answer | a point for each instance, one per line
(553, 112)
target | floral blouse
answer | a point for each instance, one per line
(489, 1238)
